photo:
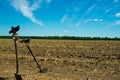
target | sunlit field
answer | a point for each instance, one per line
(64, 59)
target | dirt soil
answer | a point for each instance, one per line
(64, 59)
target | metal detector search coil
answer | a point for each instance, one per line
(27, 40)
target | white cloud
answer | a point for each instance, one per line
(117, 14)
(87, 12)
(77, 24)
(115, 1)
(76, 9)
(26, 9)
(35, 5)
(68, 20)
(117, 22)
(107, 10)
(113, 24)
(95, 20)
(65, 31)
(48, 1)
(64, 18)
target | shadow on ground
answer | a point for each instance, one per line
(1, 78)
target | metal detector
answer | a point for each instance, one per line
(15, 38)
(26, 41)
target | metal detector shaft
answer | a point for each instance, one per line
(17, 66)
(33, 57)
(15, 38)
(18, 77)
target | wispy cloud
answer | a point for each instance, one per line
(95, 20)
(76, 9)
(87, 12)
(26, 9)
(117, 22)
(64, 18)
(68, 20)
(107, 10)
(48, 1)
(65, 31)
(115, 1)
(117, 14)
(113, 24)
(35, 5)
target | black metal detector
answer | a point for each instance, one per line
(26, 41)
(15, 38)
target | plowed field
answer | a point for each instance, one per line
(64, 59)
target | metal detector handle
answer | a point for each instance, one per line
(33, 57)
(16, 53)
(15, 38)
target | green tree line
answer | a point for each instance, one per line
(63, 37)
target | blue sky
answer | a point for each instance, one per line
(94, 18)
